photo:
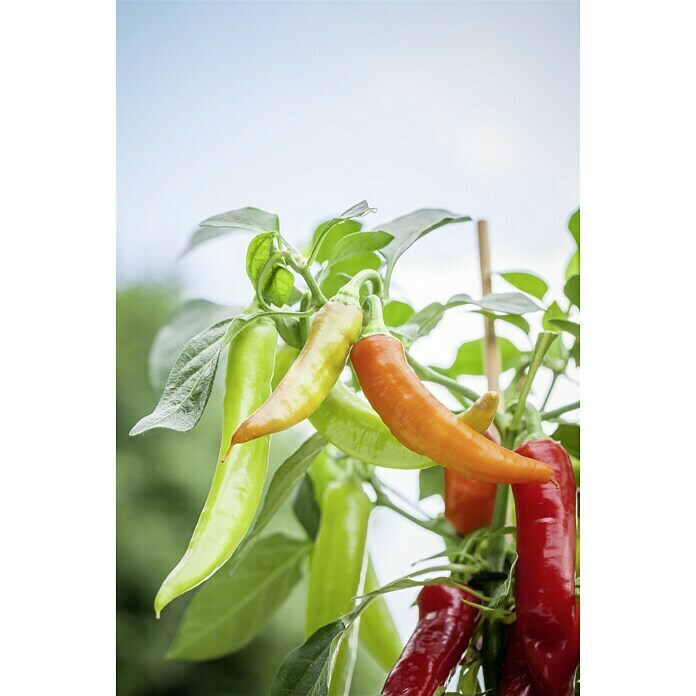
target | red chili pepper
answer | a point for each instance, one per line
(516, 679)
(547, 617)
(423, 424)
(444, 629)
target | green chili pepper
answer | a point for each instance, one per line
(237, 485)
(335, 328)
(351, 424)
(337, 569)
(378, 633)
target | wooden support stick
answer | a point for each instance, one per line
(491, 351)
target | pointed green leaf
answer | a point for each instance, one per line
(573, 267)
(572, 290)
(564, 325)
(514, 319)
(409, 228)
(469, 358)
(504, 302)
(527, 282)
(335, 234)
(190, 382)
(251, 219)
(397, 313)
(574, 226)
(358, 243)
(306, 508)
(238, 601)
(568, 434)
(188, 319)
(306, 671)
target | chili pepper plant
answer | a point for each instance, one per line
(324, 339)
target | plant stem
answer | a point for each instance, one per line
(546, 415)
(551, 386)
(429, 375)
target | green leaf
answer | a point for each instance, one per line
(514, 319)
(564, 325)
(335, 234)
(306, 671)
(333, 278)
(397, 313)
(286, 478)
(306, 508)
(504, 302)
(289, 330)
(469, 358)
(190, 382)
(573, 267)
(409, 228)
(358, 243)
(554, 311)
(527, 282)
(251, 219)
(575, 351)
(574, 226)
(568, 434)
(431, 481)
(280, 281)
(572, 290)
(187, 320)
(238, 601)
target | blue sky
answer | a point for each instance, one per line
(304, 108)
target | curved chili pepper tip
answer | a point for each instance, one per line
(555, 483)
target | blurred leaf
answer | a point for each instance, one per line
(554, 311)
(527, 282)
(564, 325)
(243, 219)
(237, 602)
(306, 508)
(190, 382)
(573, 267)
(514, 319)
(505, 302)
(431, 481)
(409, 228)
(188, 319)
(574, 226)
(469, 359)
(572, 290)
(397, 313)
(286, 478)
(568, 434)
(358, 243)
(306, 670)
(575, 351)
(333, 278)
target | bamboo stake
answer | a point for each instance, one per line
(491, 352)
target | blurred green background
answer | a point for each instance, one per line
(162, 480)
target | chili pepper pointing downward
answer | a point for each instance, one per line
(421, 422)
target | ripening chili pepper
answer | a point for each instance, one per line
(445, 625)
(237, 485)
(310, 378)
(515, 679)
(351, 424)
(469, 504)
(422, 423)
(337, 569)
(547, 617)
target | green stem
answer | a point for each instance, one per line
(429, 375)
(543, 343)
(375, 322)
(546, 415)
(556, 375)
(317, 294)
(320, 239)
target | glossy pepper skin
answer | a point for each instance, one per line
(515, 679)
(444, 629)
(423, 424)
(547, 616)
(337, 570)
(351, 424)
(469, 504)
(238, 481)
(310, 378)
